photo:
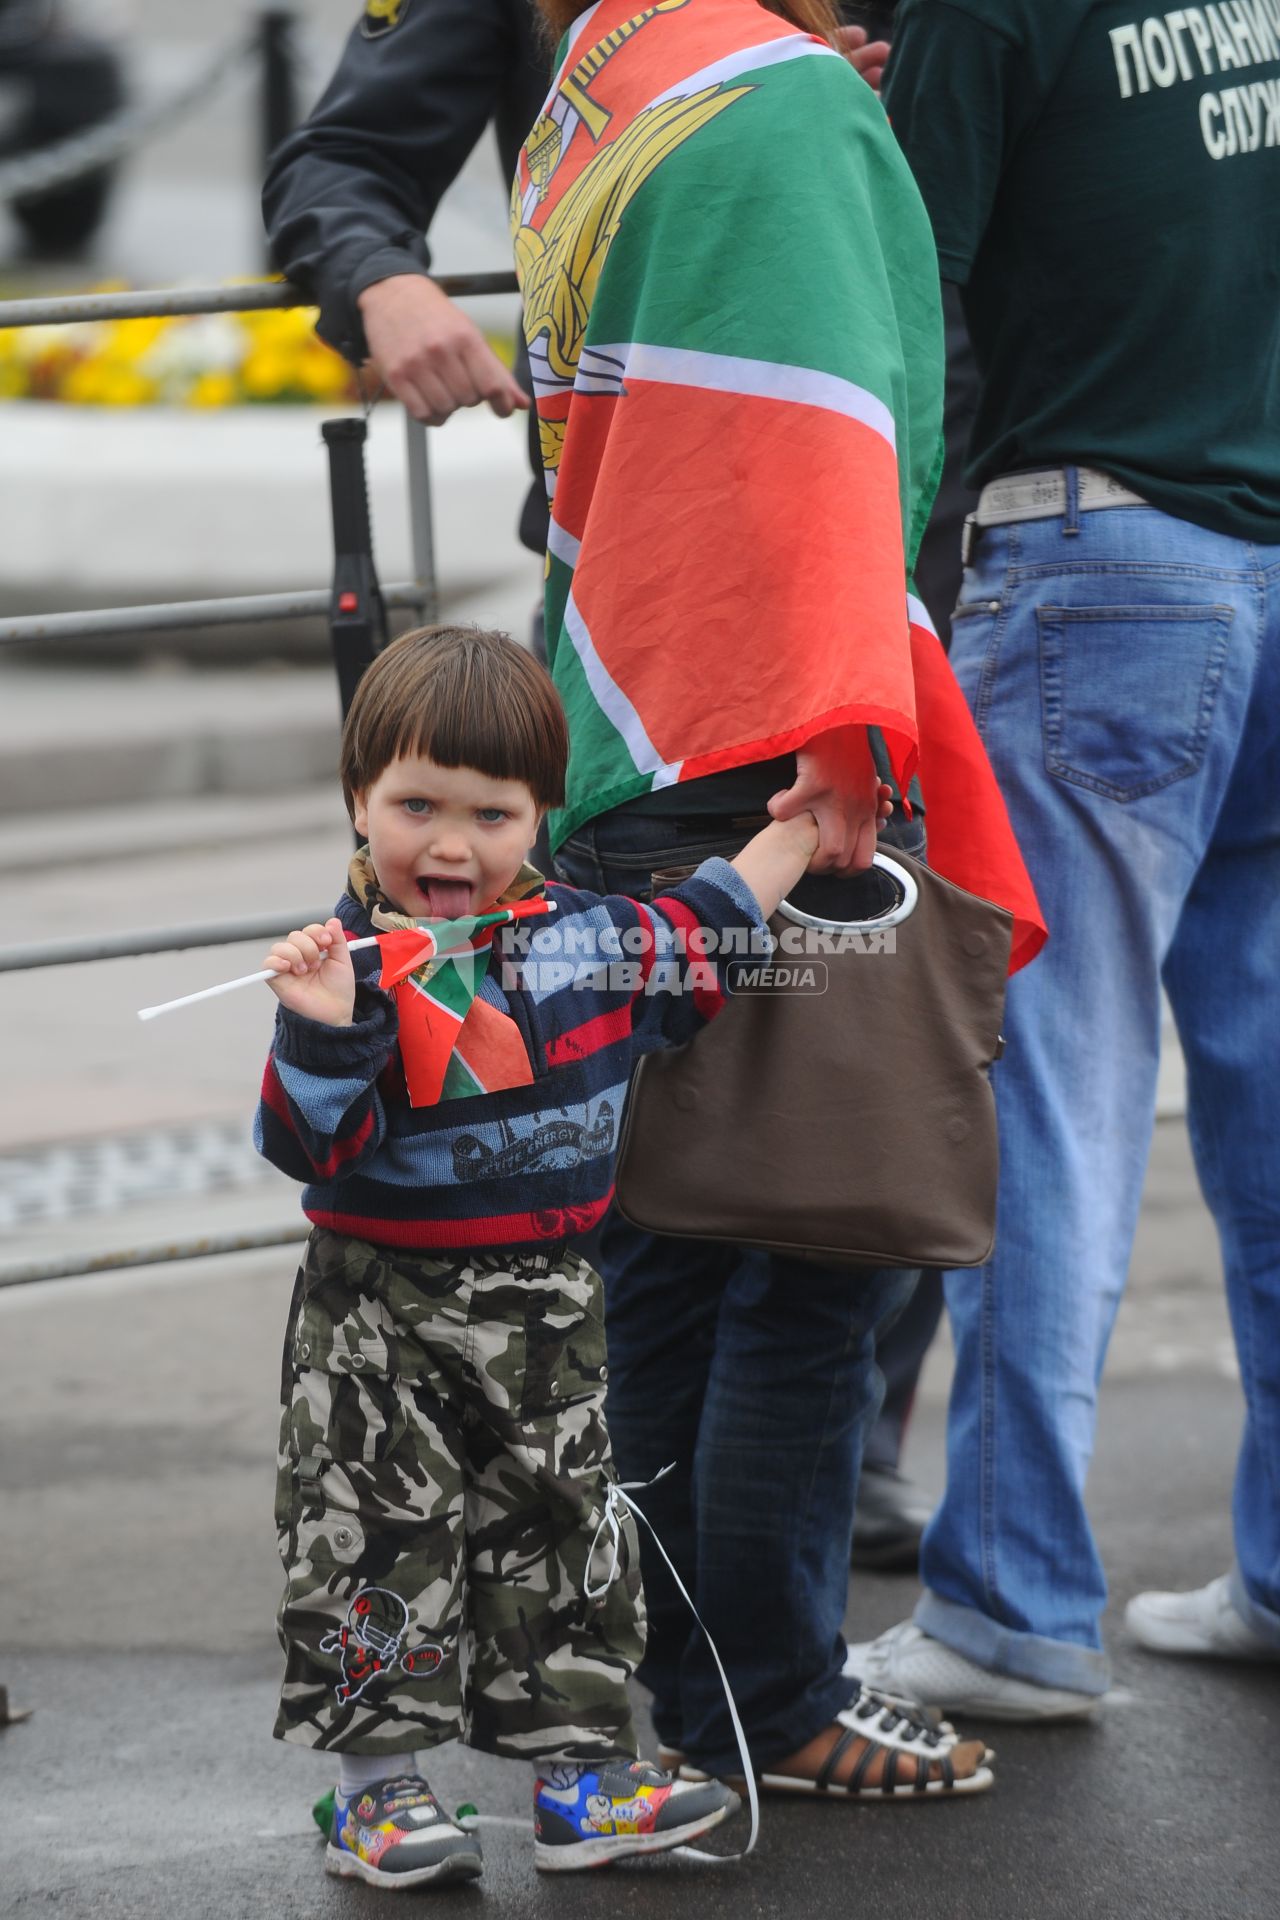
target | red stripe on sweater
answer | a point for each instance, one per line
(273, 1095)
(345, 1150)
(707, 1000)
(577, 1043)
(493, 1230)
(649, 953)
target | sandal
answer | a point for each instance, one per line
(888, 1732)
(940, 1763)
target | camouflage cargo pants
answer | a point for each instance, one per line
(444, 1466)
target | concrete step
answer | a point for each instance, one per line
(109, 509)
(44, 842)
(102, 737)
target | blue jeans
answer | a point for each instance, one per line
(1124, 672)
(757, 1376)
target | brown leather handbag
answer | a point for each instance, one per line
(839, 1107)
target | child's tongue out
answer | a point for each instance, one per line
(446, 899)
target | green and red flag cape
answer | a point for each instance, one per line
(731, 304)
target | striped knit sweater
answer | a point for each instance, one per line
(600, 982)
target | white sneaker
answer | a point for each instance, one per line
(908, 1664)
(1203, 1622)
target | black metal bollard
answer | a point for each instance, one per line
(278, 88)
(357, 613)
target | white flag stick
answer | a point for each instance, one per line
(229, 986)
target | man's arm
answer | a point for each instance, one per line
(350, 195)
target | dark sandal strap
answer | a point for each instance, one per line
(827, 1771)
(854, 1783)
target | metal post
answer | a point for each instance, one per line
(357, 614)
(278, 93)
(421, 531)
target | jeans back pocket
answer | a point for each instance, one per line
(1128, 693)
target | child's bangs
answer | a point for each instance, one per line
(462, 697)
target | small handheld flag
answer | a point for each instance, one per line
(404, 951)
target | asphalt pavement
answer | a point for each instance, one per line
(137, 1428)
(147, 1783)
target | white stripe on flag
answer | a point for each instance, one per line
(426, 994)
(614, 702)
(770, 53)
(756, 379)
(918, 615)
(562, 544)
(599, 371)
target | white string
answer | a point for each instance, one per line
(619, 1495)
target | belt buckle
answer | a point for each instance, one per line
(968, 538)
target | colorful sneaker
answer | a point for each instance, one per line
(586, 1818)
(396, 1834)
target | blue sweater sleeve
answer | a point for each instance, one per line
(320, 1116)
(612, 969)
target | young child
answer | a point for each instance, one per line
(444, 1459)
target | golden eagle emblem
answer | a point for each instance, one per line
(559, 265)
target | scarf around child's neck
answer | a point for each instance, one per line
(453, 1044)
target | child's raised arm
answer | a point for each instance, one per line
(773, 862)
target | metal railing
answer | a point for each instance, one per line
(418, 594)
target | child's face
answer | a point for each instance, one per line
(445, 841)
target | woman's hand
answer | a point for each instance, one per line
(836, 781)
(315, 975)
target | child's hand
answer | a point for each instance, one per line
(884, 805)
(316, 978)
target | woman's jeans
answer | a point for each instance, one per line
(1124, 671)
(756, 1376)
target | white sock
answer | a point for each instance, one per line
(356, 1771)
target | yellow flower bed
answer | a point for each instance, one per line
(206, 360)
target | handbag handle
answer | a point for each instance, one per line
(892, 918)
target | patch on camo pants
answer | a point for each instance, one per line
(372, 1642)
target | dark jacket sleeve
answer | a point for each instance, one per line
(350, 195)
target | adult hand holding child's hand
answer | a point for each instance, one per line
(314, 973)
(836, 781)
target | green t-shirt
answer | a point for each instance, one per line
(1104, 185)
